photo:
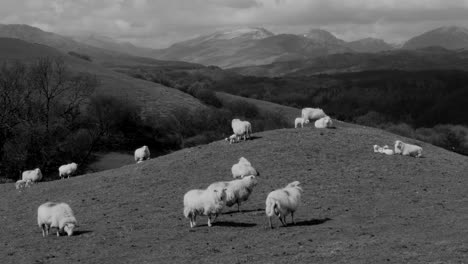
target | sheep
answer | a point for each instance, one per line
(32, 175)
(281, 202)
(386, 150)
(243, 168)
(20, 184)
(312, 113)
(67, 170)
(324, 122)
(142, 154)
(241, 128)
(207, 202)
(58, 215)
(237, 191)
(377, 148)
(406, 149)
(301, 121)
(232, 139)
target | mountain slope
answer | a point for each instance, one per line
(369, 45)
(357, 206)
(249, 46)
(446, 37)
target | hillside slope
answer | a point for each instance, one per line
(151, 97)
(358, 206)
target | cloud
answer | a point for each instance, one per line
(158, 23)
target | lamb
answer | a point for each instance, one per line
(312, 113)
(377, 148)
(386, 150)
(232, 139)
(243, 168)
(67, 170)
(32, 175)
(301, 121)
(406, 149)
(142, 154)
(20, 184)
(324, 122)
(241, 128)
(58, 215)
(281, 202)
(237, 191)
(207, 202)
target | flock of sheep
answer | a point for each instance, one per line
(216, 196)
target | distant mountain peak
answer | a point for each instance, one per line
(321, 35)
(247, 32)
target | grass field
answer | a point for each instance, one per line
(357, 207)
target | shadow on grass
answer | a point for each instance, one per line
(81, 232)
(234, 224)
(254, 138)
(244, 211)
(311, 222)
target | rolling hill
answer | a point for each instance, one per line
(357, 207)
(446, 37)
(430, 58)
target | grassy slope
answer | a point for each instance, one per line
(379, 207)
(155, 99)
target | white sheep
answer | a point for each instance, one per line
(406, 149)
(20, 184)
(324, 122)
(32, 175)
(312, 113)
(300, 121)
(58, 215)
(142, 154)
(386, 150)
(243, 168)
(207, 202)
(241, 128)
(281, 202)
(232, 139)
(237, 191)
(377, 148)
(67, 170)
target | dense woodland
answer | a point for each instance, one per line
(427, 105)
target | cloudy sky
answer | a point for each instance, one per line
(158, 23)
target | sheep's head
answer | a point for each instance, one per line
(376, 148)
(68, 228)
(306, 121)
(398, 146)
(220, 194)
(251, 179)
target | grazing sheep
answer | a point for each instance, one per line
(20, 184)
(232, 139)
(32, 175)
(67, 170)
(142, 154)
(243, 168)
(312, 113)
(237, 191)
(301, 121)
(281, 202)
(406, 149)
(207, 202)
(241, 128)
(58, 215)
(324, 122)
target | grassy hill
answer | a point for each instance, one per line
(358, 206)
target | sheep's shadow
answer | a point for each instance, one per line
(81, 232)
(234, 224)
(243, 211)
(311, 222)
(254, 137)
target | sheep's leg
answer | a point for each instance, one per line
(238, 207)
(209, 221)
(269, 221)
(282, 220)
(43, 230)
(292, 217)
